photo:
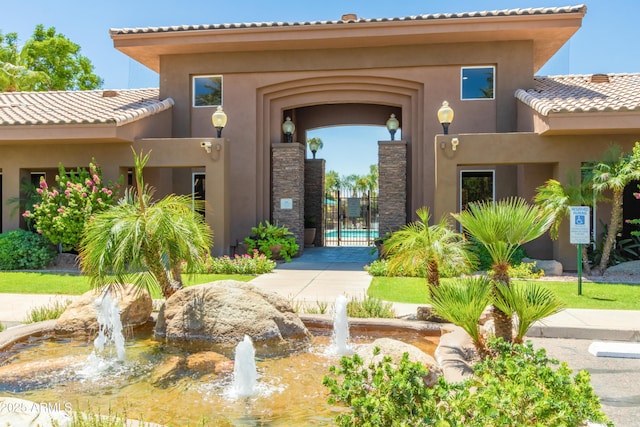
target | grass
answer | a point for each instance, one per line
(603, 296)
(70, 284)
(47, 312)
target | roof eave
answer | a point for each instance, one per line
(548, 32)
(619, 122)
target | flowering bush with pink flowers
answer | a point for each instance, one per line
(64, 209)
(255, 263)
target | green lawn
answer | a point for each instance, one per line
(69, 284)
(594, 295)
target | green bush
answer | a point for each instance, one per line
(255, 263)
(518, 386)
(47, 312)
(24, 250)
(266, 237)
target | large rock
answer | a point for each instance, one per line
(135, 309)
(395, 350)
(226, 311)
(194, 366)
(549, 266)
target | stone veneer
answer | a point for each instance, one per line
(392, 181)
(314, 195)
(287, 182)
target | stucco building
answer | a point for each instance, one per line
(513, 130)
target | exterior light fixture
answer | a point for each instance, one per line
(288, 128)
(392, 125)
(314, 145)
(445, 116)
(219, 120)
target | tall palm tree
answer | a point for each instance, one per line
(559, 198)
(145, 241)
(502, 227)
(614, 173)
(418, 244)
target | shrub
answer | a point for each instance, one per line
(525, 270)
(47, 312)
(266, 237)
(370, 308)
(63, 210)
(24, 250)
(256, 263)
(518, 386)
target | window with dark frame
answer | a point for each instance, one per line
(477, 83)
(207, 91)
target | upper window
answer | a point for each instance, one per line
(207, 91)
(478, 82)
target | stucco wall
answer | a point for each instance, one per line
(259, 86)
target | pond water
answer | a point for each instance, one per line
(290, 391)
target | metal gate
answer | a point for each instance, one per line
(350, 220)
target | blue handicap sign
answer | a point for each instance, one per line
(580, 220)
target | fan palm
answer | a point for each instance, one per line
(530, 301)
(559, 198)
(502, 227)
(420, 245)
(145, 241)
(613, 173)
(462, 302)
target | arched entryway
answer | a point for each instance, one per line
(331, 101)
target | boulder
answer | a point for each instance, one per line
(194, 365)
(395, 349)
(225, 311)
(135, 309)
(549, 266)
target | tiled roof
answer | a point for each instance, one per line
(80, 107)
(434, 16)
(583, 93)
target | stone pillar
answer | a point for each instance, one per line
(287, 187)
(392, 182)
(314, 196)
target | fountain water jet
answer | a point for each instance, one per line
(245, 374)
(109, 336)
(340, 337)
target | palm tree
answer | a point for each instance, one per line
(145, 241)
(613, 173)
(559, 198)
(502, 227)
(418, 244)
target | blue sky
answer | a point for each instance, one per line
(606, 43)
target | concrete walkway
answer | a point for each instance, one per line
(321, 274)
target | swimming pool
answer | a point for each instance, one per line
(352, 234)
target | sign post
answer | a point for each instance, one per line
(579, 233)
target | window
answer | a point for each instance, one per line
(207, 91)
(476, 186)
(197, 189)
(477, 82)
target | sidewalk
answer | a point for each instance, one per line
(321, 274)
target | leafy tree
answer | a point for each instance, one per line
(420, 245)
(47, 61)
(144, 241)
(331, 181)
(502, 227)
(63, 210)
(614, 173)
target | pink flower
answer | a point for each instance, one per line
(88, 183)
(99, 200)
(96, 178)
(68, 183)
(60, 210)
(43, 184)
(627, 221)
(84, 194)
(636, 195)
(67, 192)
(55, 193)
(94, 190)
(109, 192)
(26, 214)
(39, 190)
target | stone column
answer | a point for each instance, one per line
(392, 182)
(287, 187)
(314, 196)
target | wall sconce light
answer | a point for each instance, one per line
(454, 144)
(219, 120)
(207, 145)
(392, 126)
(445, 116)
(288, 128)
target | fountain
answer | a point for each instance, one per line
(205, 387)
(245, 374)
(340, 337)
